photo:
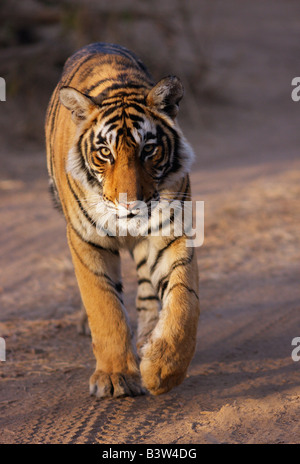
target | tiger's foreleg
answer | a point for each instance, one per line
(98, 276)
(167, 355)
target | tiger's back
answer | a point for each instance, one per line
(110, 132)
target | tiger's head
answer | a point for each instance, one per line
(128, 143)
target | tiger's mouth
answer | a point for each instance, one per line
(138, 213)
(130, 215)
(135, 209)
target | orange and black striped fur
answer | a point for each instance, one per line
(109, 131)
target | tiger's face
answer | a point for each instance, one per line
(128, 143)
(127, 154)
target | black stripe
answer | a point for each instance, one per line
(124, 86)
(100, 139)
(129, 135)
(88, 171)
(135, 117)
(176, 159)
(110, 110)
(116, 102)
(118, 137)
(136, 125)
(141, 263)
(111, 120)
(84, 212)
(137, 107)
(116, 285)
(191, 290)
(179, 262)
(89, 89)
(112, 127)
(150, 135)
(135, 98)
(91, 139)
(119, 287)
(161, 252)
(164, 288)
(92, 244)
(141, 308)
(182, 262)
(98, 274)
(55, 196)
(150, 297)
(144, 281)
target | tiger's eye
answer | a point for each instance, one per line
(105, 151)
(148, 148)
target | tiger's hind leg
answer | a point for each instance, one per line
(83, 327)
(147, 301)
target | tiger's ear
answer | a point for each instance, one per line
(79, 104)
(166, 95)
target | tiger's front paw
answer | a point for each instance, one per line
(163, 367)
(104, 385)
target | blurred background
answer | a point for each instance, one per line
(237, 59)
(37, 36)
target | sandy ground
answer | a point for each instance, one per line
(242, 385)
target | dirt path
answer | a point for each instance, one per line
(242, 385)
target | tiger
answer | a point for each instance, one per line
(113, 142)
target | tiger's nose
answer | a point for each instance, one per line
(131, 205)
